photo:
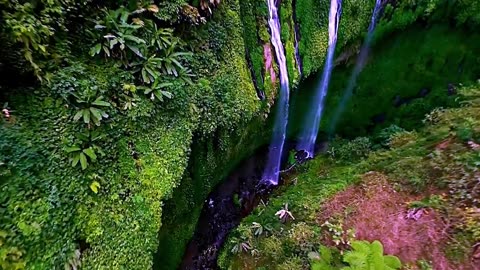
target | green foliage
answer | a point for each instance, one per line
(35, 25)
(287, 241)
(255, 34)
(288, 39)
(364, 255)
(151, 52)
(350, 150)
(119, 35)
(384, 136)
(396, 73)
(84, 148)
(90, 110)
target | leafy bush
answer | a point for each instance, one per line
(402, 138)
(363, 256)
(384, 136)
(350, 150)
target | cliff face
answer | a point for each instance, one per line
(106, 210)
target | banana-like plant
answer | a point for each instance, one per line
(91, 111)
(156, 90)
(84, 151)
(118, 35)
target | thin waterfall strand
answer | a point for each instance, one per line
(312, 125)
(362, 58)
(272, 168)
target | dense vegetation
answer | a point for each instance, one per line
(438, 164)
(118, 117)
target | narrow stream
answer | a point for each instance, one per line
(232, 200)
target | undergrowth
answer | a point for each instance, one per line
(444, 155)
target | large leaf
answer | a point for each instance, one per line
(99, 102)
(326, 254)
(356, 260)
(94, 186)
(167, 94)
(134, 39)
(145, 77)
(361, 246)
(135, 50)
(159, 95)
(95, 49)
(78, 115)
(89, 152)
(376, 247)
(392, 262)
(72, 149)
(96, 115)
(376, 256)
(86, 116)
(83, 161)
(75, 160)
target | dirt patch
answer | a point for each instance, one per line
(378, 212)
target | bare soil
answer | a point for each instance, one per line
(376, 211)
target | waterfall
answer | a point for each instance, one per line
(278, 138)
(312, 124)
(362, 58)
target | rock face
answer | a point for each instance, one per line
(267, 56)
(451, 90)
(423, 93)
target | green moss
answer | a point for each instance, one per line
(442, 56)
(255, 33)
(288, 39)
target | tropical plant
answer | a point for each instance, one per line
(90, 111)
(118, 35)
(84, 150)
(240, 246)
(259, 229)
(156, 91)
(363, 256)
(324, 259)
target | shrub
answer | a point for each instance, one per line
(384, 136)
(351, 150)
(363, 256)
(402, 138)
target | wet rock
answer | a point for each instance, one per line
(423, 93)
(301, 156)
(451, 89)
(379, 118)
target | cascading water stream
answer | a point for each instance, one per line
(278, 139)
(312, 124)
(362, 58)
